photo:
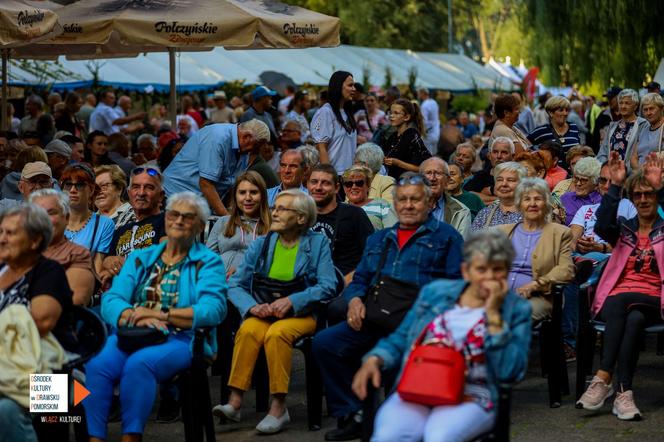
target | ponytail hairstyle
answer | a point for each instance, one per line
(335, 95)
(412, 109)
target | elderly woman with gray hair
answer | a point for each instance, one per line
(172, 288)
(585, 176)
(543, 249)
(504, 210)
(622, 135)
(479, 316)
(29, 279)
(650, 136)
(282, 278)
(371, 155)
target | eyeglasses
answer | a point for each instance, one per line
(67, 185)
(279, 209)
(43, 183)
(149, 170)
(187, 217)
(637, 195)
(580, 180)
(413, 179)
(350, 183)
(602, 180)
(435, 174)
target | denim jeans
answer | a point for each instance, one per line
(138, 374)
(338, 350)
(15, 423)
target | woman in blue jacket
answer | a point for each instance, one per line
(174, 287)
(477, 315)
(292, 253)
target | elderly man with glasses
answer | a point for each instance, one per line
(34, 176)
(396, 261)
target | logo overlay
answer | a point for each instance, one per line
(49, 393)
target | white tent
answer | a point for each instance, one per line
(659, 75)
(198, 70)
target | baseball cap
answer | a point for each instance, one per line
(612, 92)
(59, 147)
(653, 85)
(34, 169)
(219, 95)
(260, 92)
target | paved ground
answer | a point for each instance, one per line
(532, 419)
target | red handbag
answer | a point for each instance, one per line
(433, 375)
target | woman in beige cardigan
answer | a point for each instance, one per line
(543, 249)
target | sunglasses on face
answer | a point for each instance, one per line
(67, 185)
(415, 179)
(187, 217)
(637, 196)
(602, 180)
(357, 183)
(149, 170)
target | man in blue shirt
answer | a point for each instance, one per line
(261, 103)
(291, 174)
(209, 161)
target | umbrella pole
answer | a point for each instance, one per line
(172, 99)
(3, 113)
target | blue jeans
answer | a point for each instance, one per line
(15, 423)
(338, 350)
(138, 375)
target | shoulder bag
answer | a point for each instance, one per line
(388, 300)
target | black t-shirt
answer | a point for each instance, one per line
(137, 235)
(407, 147)
(47, 277)
(352, 228)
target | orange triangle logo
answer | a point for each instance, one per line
(80, 393)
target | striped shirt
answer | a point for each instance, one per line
(545, 133)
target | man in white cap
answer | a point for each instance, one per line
(59, 154)
(222, 113)
(34, 176)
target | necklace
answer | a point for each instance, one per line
(82, 226)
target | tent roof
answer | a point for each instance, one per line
(198, 70)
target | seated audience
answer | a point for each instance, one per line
(111, 184)
(356, 181)
(290, 253)
(371, 155)
(482, 183)
(455, 190)
(34, 176)
(504, 210)
(292, 171)
(571, 158)
(585, 177)
(629, 295)
(416, 250)
(554, 173)
(480, 315)
(465, 156)
(172, 287)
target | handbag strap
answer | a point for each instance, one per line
(491, 214)
(94, 233)
(264, 249)
(381, 262)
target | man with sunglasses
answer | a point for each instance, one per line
(412, 253)
(34, 176)
(209, 161)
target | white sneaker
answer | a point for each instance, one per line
(271, 424)
(593, 398)
(625, 408)
(227, 411)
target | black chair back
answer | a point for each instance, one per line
(90, 332)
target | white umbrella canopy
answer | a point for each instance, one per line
(113, 28)
(21, 23)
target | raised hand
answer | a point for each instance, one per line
(617, 169)
(653, 170)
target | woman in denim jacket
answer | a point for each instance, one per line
(478, 314)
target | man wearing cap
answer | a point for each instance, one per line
(654, 88)
(209, 161)
(262, 102)
(34, 176)
(607, 116)
(222, 113)
(58, 153)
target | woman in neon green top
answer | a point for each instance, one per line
(291, 252)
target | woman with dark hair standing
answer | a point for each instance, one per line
(68, 121)
(405, 150)
(96, 149)
(333, 127)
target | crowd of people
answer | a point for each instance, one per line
(354, 218)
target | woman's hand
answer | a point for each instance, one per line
(356, 312)
(141, 313)
(527, 290)
(281, 307)
(392, 162)
(230, 272)
(497, 291)
(617, 169)
(261, 310)
(653, 170)
(370, 370)
(153, 323)
(587, 244)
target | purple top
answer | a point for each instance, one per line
(524, 243)
(572, 203)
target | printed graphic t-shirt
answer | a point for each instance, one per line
(138, 235)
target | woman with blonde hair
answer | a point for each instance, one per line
(249, 218)
(558, 129)
(357, 182)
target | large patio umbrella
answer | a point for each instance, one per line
(99, 28)
(21, 23)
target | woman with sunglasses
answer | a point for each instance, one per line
(357, 183)
(405, 150)
(86, 228)
(172, 287)
(249, 218)
(290, 254)
(630, 292)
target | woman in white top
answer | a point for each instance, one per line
(333, 127)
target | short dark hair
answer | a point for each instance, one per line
(71, 139)
(329, 169)
(504, 103)
(553, 147)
